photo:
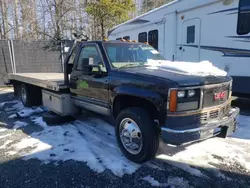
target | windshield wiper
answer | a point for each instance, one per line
(132, 65)
(129, 65)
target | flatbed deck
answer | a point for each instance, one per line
(51, 81)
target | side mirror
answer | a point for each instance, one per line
(89, 68)
(96, 70)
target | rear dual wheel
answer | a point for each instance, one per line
(30, 95)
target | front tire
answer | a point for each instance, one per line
(137, 135)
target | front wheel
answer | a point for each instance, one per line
(137, 135)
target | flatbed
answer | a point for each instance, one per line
(51, 81)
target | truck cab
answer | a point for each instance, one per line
(114, 78)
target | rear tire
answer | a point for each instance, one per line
(17, 89)
(140, 124)
(30, 95)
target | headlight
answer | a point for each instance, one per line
(191, 93)
(188, 93)
(184, 100)
(181, 94)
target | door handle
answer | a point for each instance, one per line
(75, 78)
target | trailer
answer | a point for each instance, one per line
(195, 30)
(147, 96)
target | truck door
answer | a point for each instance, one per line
(190, 49)
(91, 91)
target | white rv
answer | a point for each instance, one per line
(196, 30)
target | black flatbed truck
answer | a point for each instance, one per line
(113, 78)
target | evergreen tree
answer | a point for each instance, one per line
(108, 13)
(148, 5)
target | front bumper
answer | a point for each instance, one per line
(221, 127)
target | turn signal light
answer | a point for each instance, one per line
(173, 101)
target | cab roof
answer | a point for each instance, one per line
(112, 42)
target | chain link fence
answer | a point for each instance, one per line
(35, 56)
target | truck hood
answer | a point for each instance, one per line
(183, 80)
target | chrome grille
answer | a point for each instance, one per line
(213, 114)
(202, 117)
(208, 95)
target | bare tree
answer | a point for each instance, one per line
(1, 21)
(16, 20)
(60, 17)
(50, 19)
(4, 21)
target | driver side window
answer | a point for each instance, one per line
(89, 53)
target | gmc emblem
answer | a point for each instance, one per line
(220, 95)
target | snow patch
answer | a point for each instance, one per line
(213, 153)
(178, 183)
(22, 111)
(4, 136)
(3, 130)
(173, 182)
(209, 154)
(26, 112)
(2, 104)
(5, 144)
(19, 124)
(39, 121)
(91, 141)
(30, 142)
(154, 182)
(12, 116)
(15, 107)
(11, 153)
(204, 68)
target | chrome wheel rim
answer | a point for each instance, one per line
(23, 95)
(131, 136)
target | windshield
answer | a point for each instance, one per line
(131, 54)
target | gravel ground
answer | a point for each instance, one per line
(17, 172)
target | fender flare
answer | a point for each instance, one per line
(146, 94)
